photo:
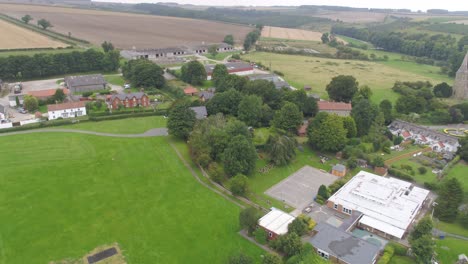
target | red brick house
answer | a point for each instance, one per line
(339, 108)
(275, 223)
(130, 100)
(191, 91)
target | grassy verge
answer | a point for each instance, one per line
(123, 126)
(453, 228)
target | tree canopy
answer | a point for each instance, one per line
(327, 133)
(238, 185)
(59, 95)
(30, 103)
(281, 149)
(450, 198)
(143, 73)
(342, 88)
(229, 39)
(443, 90)
(219, 73)
(26, 18)
(107, 46)
(194, 73)
(250, 110)
(181, 121)
(248, 219)
(239, 156)
(44, 23)
(288, 118)
(364, 114)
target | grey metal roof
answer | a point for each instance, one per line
(200, 112)
(339, 167)
(427, 132)
(206, 94)
(129, 96)
(2, 109)
(343, 245)
(272, 78)
(82, 80)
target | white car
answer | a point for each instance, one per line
(127, 86)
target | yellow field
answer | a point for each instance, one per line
(292, 34)
(15, 37)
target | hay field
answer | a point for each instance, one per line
(15, 37)
(290, 33)
(126, 30)
(353, 17)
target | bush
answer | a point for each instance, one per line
(400, 174)
(422, 170)
(238, 185)
(431, 186)
(387, 255)
(399, 249)
(260, 236)
(216, 172)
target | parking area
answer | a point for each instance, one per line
(299, 189)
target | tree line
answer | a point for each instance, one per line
(41, 65)
(438, 47)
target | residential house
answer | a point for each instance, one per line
(12, 99)
(191, 91)
(438, 141)
(200, 112)
(46, 94)
(339, 246)
(66, 110)
(389, 205)
(206, 95)
(275, 223)
(339, 170)
(130, 100)
(204, 48)
(275, 79)
(302, 130)
(238, 68)
(85, 83)
(339, 108)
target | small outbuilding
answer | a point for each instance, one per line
(200, 112)
(275, 223)
(339, 170)
(191, 91)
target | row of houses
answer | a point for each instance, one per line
(438, 141)
(170, 52)
(384, 206)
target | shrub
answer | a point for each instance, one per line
(400, 174)
(216, 172)
(260, 236)
(431, 186)
(399, 249)
(422, 170)
(239, 185)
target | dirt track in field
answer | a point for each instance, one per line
(127, 30)
(15, 37)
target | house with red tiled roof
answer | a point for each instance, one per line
(191, 91)
(66, 110)
(46, 94)
(405, 134)
(339, 108)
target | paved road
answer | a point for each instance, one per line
(155, 132)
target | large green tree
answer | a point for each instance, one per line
(281, 149)
(107, 46)
(59, 95)
(230, 81)
(213, 50)
(219, 73)
(267, 91)
(44, 23)
(328, 133)
(463, 149)
(250, 110)
(450, 198)
(443, 90)
(298, 226)
(239, 156)
(26, 19)
(248, 219)
(421, 241)
(342, 88)
(229, 39)
(194, 73)
(364, 114)
(350, 125)
(386, 108)
(180, 121)
(238, 185)
(30, 103)
(271, 259)
(143, 73)
(225, 102)
(288, 117)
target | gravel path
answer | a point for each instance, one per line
(155, 132)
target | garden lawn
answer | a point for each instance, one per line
(115, 79)
(135, 125)
(419, 178)
(63, 195)
(453, 228)
(318, 72)
(401, 260)
(260, 182)
(460, 171)
(449, 248)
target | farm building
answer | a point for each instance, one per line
(339, 170)
(66, 110)
(339, 108)
(238, 68)
(152, 54)
(439, 142)
(200, 112)
(275, 79)
(12, 99)
(191, 91)
(46, 94)
(338, 246)
(275, 223)
(201, 49)
(389, 205)
(85, 83)
(130, 100)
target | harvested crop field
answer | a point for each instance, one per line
(127, 30)
(290, 33)
(354, 17)
(15, 37)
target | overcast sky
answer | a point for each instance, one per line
(409, 4)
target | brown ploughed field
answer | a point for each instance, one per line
(127, 30)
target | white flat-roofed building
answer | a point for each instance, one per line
(389, 206)
(275, 223)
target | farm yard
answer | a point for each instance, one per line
(140, 195)
(318, 72)
(15, 37)
(127, 30)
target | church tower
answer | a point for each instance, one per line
(460, 88)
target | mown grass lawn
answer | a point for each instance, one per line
(418, 177)
(460, 171)
(115, 79)
(449, 248)
(401, 260)
(61, 195)
(318, 72)
(453, 228)
(136, 125)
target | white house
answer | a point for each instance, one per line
(12, 99)
(66, 110)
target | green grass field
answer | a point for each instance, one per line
(36, 51)
(64, 194)
(115, 79)
(449, 248)
(318, 72)
(459, 171)
(135, 125)
(401, 260)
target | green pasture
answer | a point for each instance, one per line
(63, 195)
(116, 79)
(135, 125)
(449, 248)
(6, 53)
(318, 72)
